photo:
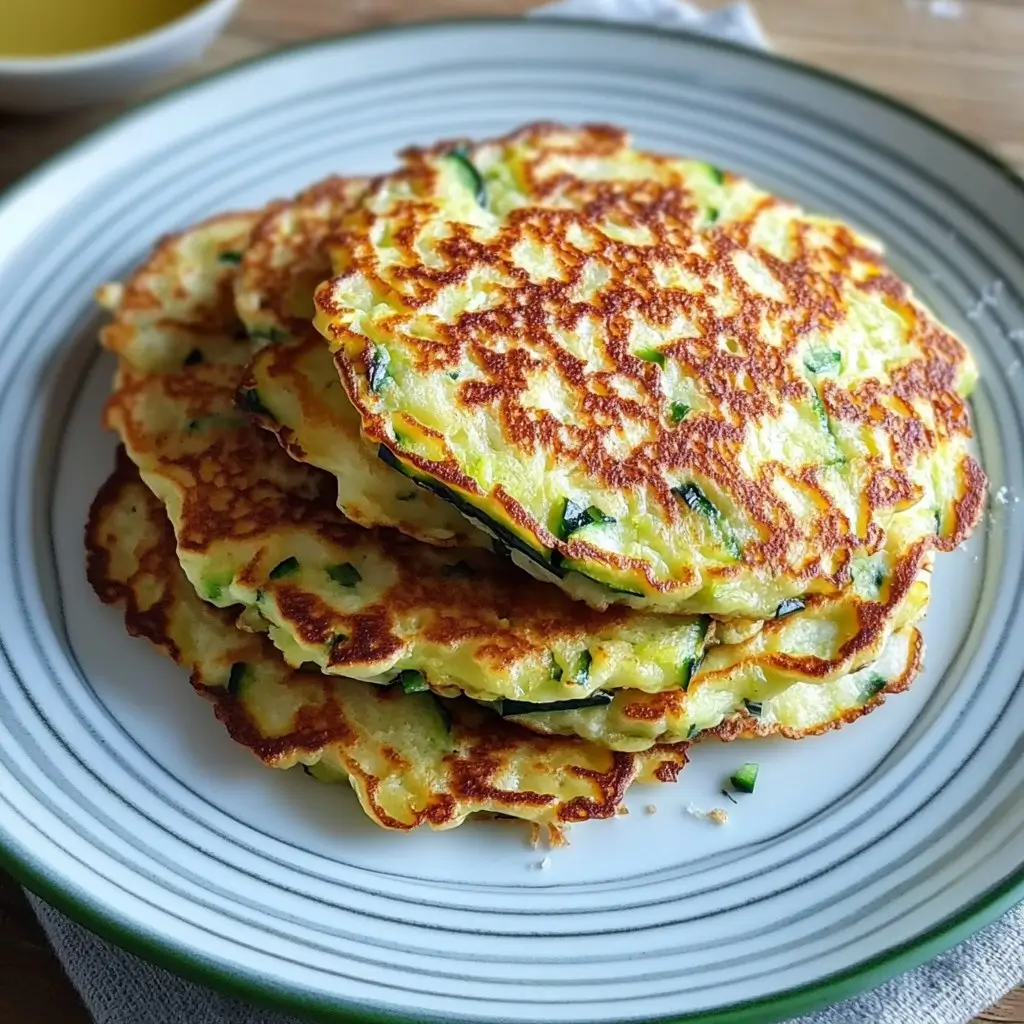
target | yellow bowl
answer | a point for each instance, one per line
(32, 84)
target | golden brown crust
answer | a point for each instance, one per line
(240, 507)
(968, 507)
(327, 436)
(467, 621)
(240, 487)
(493, 766)
(160, 317)
(745, 374)
(283, 263)
(743, 725)
(101, 539)
(235, 481)
(278, 292)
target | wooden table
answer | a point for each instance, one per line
(962, 62)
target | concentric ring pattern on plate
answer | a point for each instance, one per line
(642, 919)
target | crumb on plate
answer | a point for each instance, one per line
(716, 814)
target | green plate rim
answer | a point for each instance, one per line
(804, 999)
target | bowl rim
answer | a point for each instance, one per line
(134, 46)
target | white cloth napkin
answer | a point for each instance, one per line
(736, 22)
(118, 988)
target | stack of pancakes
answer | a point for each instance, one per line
(493, 483)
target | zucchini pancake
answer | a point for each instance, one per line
(283, 263)
(411, 758)
(647, 372)
(258, 529)
(316, 423)
(582, 455)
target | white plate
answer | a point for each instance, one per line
(123, 802)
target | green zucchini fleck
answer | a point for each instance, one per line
(819, 409)
(868, 577)
(236, 677)
(692, 731)
(581, 676)
(821, 412)
(651, 355)
(686, 673)
(411, 680)
(874, 685)
(575, 517)
(288, 567)
(716, 174)
(697, 501)
(608, 586)
(212, 589)
(701, 627)
(249, 400)
(503, 534)
(377, 371)
(444, 714)
(745, 777)
(471, 177)
(712, 214)
(823, 360)
(689, 667)
(753, 707)
(555, 670)
(228, 420)
(194, 357)
(678, 411)
(506, 708)
(789, 607)
(453, 374)
(345, 574)
(268, 334)
(231, 257)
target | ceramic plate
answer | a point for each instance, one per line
(122, 800)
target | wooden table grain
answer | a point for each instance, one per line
(962, 62)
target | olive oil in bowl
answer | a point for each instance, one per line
(60, 54)
(53, 28)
